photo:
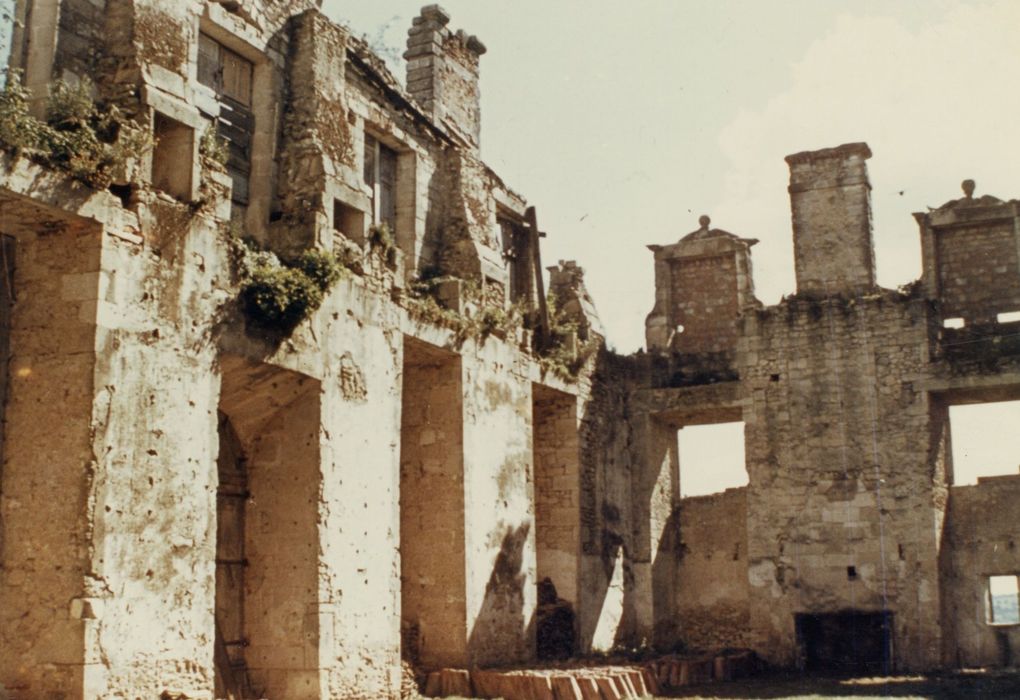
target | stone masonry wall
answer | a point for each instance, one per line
(712, 591)
(977, 273)
(831, 201)
(557, 523)
(981, 541)
(432, 561)
(45, 496)
(837, 478)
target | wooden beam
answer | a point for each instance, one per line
(531, 221)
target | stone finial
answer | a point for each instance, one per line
(704, 220)
(968, 188)
(436, 14)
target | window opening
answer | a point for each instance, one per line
(348, 221)
(380, 171)
(172, 157)
(983, 442)
(711, 458)
(515, 254)
(230, 76)
(1003, 600)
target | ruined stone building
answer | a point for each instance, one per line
(284, 403)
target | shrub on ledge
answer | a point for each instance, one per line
(278, 295)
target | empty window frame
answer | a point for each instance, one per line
(982, 442)
(172, 157)
(230, 76)
(1003, 600)
(348, 221)
(711, 458)
(380, 171)
(516, 254)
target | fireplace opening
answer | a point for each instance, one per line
(851, 642)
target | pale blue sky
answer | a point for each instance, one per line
(623, 122)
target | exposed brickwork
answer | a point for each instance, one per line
(708, 309)
(703, 283)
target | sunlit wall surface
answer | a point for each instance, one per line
(6, 28)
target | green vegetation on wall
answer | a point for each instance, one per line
(277, 294)
(89, 142)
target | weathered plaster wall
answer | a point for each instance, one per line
(980, 541)
(499, 511)
(154, 434)
(605, 610)
(359, 535)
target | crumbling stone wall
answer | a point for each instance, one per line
(442, 73)
(712, 590)
(844, 389)
(160, 298)
(49, 465)
(128, 343)
(980, 541)
(836, 476)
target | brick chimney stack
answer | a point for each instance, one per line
(832, 239)
(442, 73)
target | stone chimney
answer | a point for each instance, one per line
(831, 200)
(442, 73)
